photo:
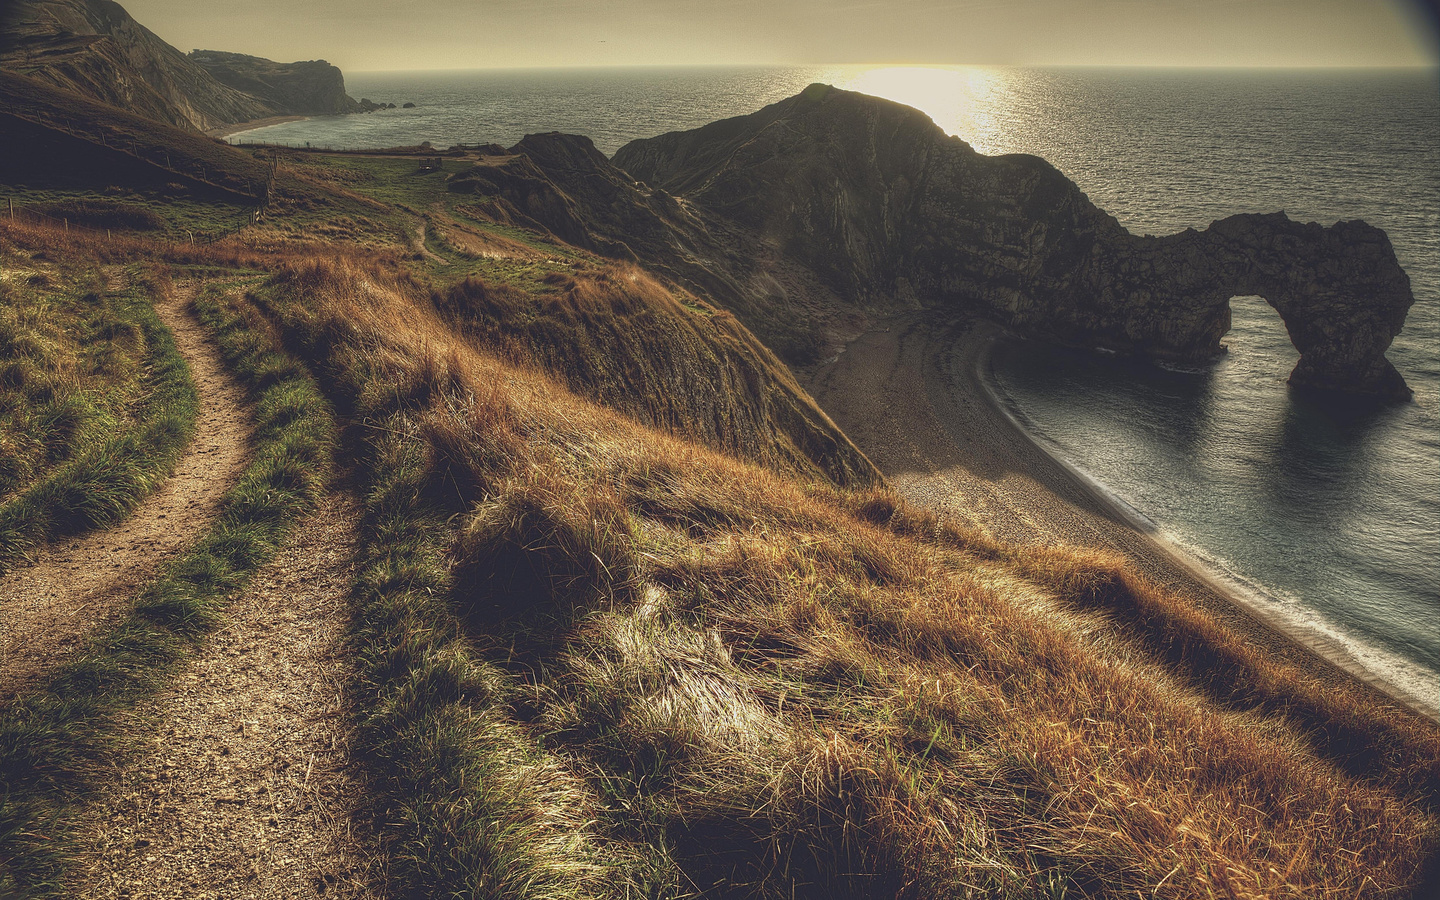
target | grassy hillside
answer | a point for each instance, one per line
(632, 618)
(599, 658)
(665, 358)
(120, 139)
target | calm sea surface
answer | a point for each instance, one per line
(1329, 514)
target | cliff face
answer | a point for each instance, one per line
(305, 88)
(94, 47)
(559, 183)
(888, 210)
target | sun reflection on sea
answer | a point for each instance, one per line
(963, 100)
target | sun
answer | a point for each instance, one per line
(962, 100)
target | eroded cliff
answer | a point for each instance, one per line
(96, 49)
(889, 211)
(313, 87)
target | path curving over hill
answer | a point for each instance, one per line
(74, 586)
(246, 789)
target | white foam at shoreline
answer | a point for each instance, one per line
(1415, 685)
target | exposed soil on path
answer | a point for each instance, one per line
(246, 791)
(47, 608)
(911, 393)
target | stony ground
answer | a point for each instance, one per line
(247, 791)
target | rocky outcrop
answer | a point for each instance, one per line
(303, 88)
(889, 211)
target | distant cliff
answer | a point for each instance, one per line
(889, 211)
(303, 88)
(95, 48)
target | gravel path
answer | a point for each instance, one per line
(48, 607)
(247, 791)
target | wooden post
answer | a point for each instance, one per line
(67, 224)
(10, 201)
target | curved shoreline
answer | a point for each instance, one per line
(229, 131)
(914, 393)
(1328, 648)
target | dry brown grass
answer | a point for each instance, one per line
(616, 335)
(743, 684)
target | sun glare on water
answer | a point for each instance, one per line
(963, 100)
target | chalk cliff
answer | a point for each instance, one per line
(889, 211)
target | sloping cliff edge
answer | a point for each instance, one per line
(891, 212)
(96, 49)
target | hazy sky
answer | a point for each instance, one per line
(360, 35)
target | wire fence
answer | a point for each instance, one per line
(181, 166)
(32, 216)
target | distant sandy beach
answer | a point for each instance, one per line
(225, 131)
(913, 393)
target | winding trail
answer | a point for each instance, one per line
(247, 791)
(74, 586)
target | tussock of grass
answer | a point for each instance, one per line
(477, 809)
(104, 214)
(737, 684)
(540, 549)
(56, 743)
(1362, 739)
(91, 430)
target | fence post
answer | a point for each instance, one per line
(67, 223)
(10, 202)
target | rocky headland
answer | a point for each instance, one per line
(313, 87)
(96, 49)
(890, 213)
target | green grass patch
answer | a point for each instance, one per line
(476, 808)
(96, 406)
(56, 743)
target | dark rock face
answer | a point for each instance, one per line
(561, 184)
(94, 47)
(889, 211)
(304, 88)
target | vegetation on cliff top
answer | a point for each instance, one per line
(599, 658)
(618, 635)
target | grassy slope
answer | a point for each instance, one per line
(612, 332)
(600, 659)
(96, 403)
(183, 151)
(629, 663)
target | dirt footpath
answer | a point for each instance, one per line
(48, 608)
(247, 790)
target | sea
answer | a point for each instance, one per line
(1325, 514)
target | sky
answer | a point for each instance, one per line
(374, 35)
